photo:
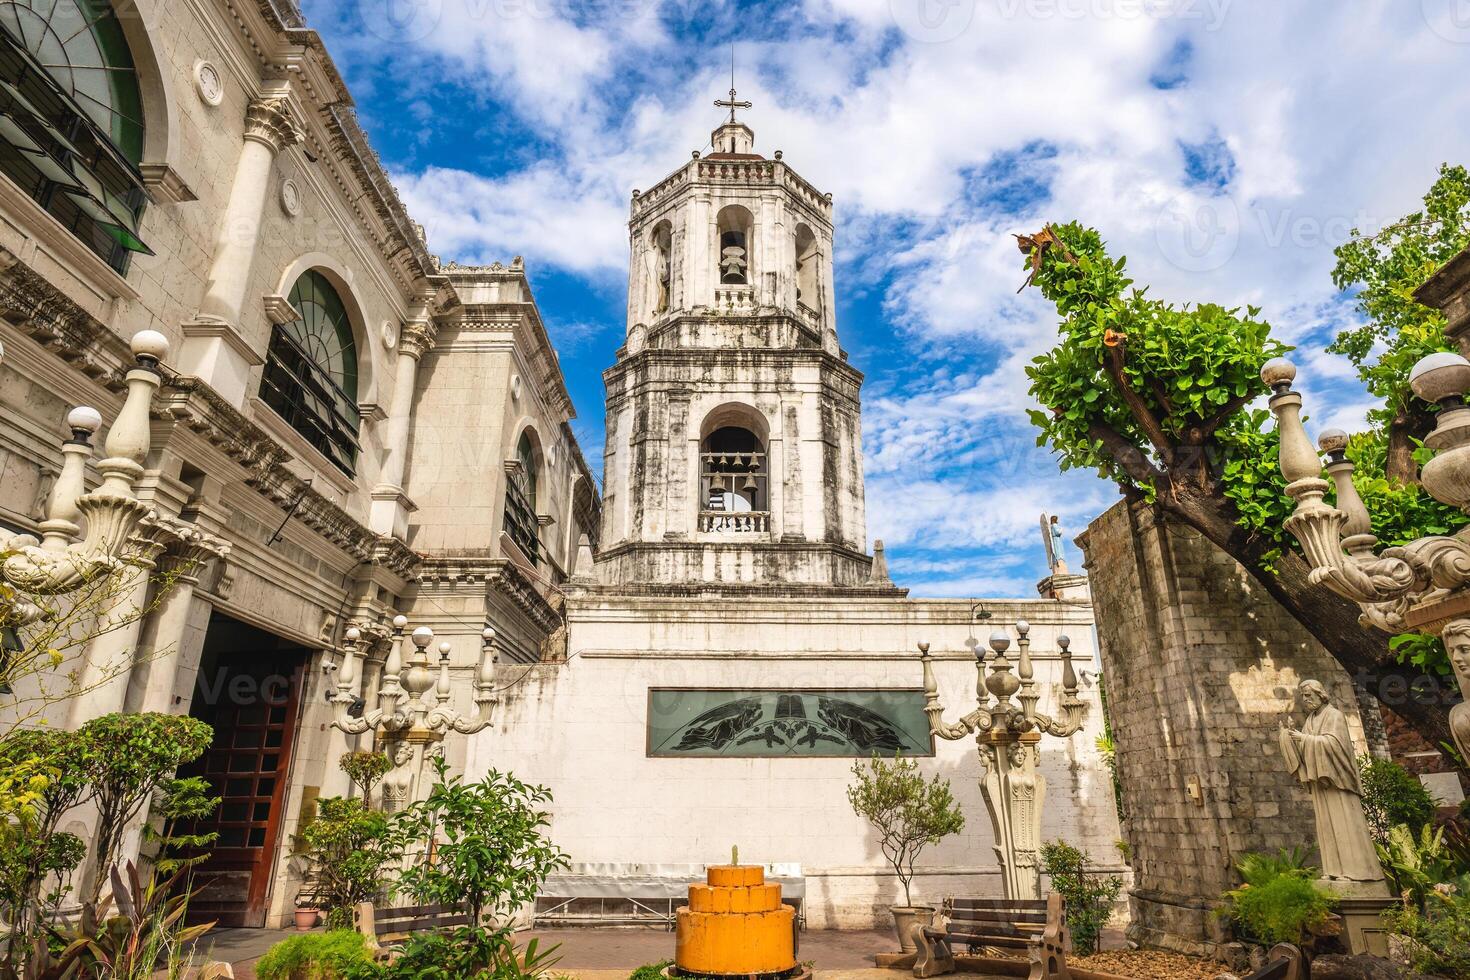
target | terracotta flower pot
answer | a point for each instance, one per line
(306, 919)
(904, 919)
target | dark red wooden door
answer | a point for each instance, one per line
(254, 715)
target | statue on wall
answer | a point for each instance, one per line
(397, 786)
(1052, 537)
(1456, 638)
(1320, 754)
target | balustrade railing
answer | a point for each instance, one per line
(735, 522)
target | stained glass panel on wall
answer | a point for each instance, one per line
(752, 723)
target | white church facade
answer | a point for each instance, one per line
(348, 429)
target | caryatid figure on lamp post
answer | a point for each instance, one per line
(405, 719)
(1008, 737)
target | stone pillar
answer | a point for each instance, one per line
(107, 662)
(391, 505)
(214, 349)
(154, 679)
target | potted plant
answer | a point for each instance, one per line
(908, 813)
(307, 913)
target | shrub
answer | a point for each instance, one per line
(1393, 795)
(1438, 937)
(1088, 894)
(348, 847)
(1415, 864)
(1279, 901)
(908, 812)
(490, 854)
(651, 971)
(315, 956)
(466, 953)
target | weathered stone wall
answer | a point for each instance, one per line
(1200, 666)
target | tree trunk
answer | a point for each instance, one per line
(1362, 650)
(1399, 466)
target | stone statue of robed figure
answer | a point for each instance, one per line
(1320, 754)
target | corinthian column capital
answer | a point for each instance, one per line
(417, 338)
(189, 550)
(269, 123)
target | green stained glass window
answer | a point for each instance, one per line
(764, 723)
(71, 130)
(520, 500)
(310, 376)
(81, 45)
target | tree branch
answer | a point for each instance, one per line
(1234, 405)
(1136, 405)
(1124, 453)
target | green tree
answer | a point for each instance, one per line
(126, 759)
(1153, 396)
(1385, 268)
(478, 846)
(907, 811)
(1088, 894)
(32, 851)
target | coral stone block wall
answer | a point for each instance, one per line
(1200, 666)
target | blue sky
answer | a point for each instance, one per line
(1224, 146)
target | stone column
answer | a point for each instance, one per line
(391, 506)
(107, 662)
(214, 349)
(154, 679)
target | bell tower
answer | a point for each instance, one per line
(734, 443)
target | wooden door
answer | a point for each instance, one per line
(254, 717)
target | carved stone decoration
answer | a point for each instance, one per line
(1320, 754)
(1456, 638)
(388, 334)
(279, 311)
(290, 197)
(208, 84)
(268, 121)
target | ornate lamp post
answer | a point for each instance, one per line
(1417, 587)
(410, 726)
(63, 559)
(1008, 736)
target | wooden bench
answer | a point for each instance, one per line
(384, 927)
(1283, 962)
(1034, 926)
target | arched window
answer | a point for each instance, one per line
(311, 370)
(734, 232)
(734, 488)
(807, 269)
(520, 499)
(71, 119)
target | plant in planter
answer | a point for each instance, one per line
(1089, 895)
(348, 845)
(908, 813)
(1279, 900)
